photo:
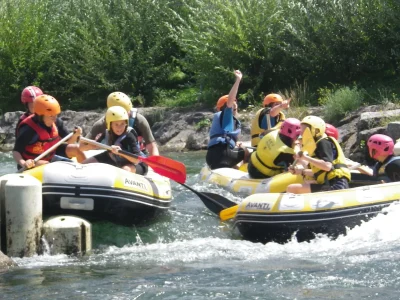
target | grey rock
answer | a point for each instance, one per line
(393, 130)
(364, 135)
(6, 262)
(179, 129)
(374, 119)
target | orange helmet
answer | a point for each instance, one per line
(271, 98)
(221, 102)
(46, 105)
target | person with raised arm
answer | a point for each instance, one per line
(224, 149)
(268, 118)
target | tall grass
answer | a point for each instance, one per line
(341, 102)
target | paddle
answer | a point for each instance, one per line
(308, 145)
(52, 148)
(164, 166)
(214, 202)
(176, 171)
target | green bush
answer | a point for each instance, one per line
(203, 123)
(342, 101)
(80, 51)
(181, 52)
(177, 98)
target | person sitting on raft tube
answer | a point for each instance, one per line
(275, 152)
(268, 118)
(119, 136)
(224, 150)
(136, 120)
(328, 164)
(39, 132)
(380, 148)
(27, 96)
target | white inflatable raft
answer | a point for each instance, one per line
(101, 192)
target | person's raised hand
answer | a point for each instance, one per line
(238, 74)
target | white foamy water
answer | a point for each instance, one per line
(191, 255)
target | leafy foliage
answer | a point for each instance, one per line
(180, 52)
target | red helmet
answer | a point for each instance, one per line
(331, 130)
(379, 145)
(30, 93)
(290, 128)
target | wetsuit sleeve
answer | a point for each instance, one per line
(284, 160)
(98, 127)
(324, 150)
(143, 129)
(227, 121)
(392, 170)
(25, 136)
(129, 143)
(62, 130)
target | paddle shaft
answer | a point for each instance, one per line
(164, 166)
(109, 148)
(51, 149)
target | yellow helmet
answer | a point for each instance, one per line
(119, 99)
(116, 113)
(315, 123)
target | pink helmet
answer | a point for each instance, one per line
(331, 130)
(30, 93)
(290, 128)
(380, 144)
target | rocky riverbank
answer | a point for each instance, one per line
(184, 130)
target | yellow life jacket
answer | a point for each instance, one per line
(256, 125)
(267, 151)
(339, 167)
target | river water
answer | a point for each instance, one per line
(189, 254)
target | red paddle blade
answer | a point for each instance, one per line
(167, 167)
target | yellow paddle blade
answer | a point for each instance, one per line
(308, 142)
(228, 213)
(243, 167)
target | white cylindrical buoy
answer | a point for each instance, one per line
(3, 181)
(22, 215)
(68, 235)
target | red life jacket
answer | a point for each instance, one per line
(44, 142)
(24, 116)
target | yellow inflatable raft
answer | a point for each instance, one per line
(237, 181)
(277, 216)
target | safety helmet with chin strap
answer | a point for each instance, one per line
(116, 113)
(315, 123)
